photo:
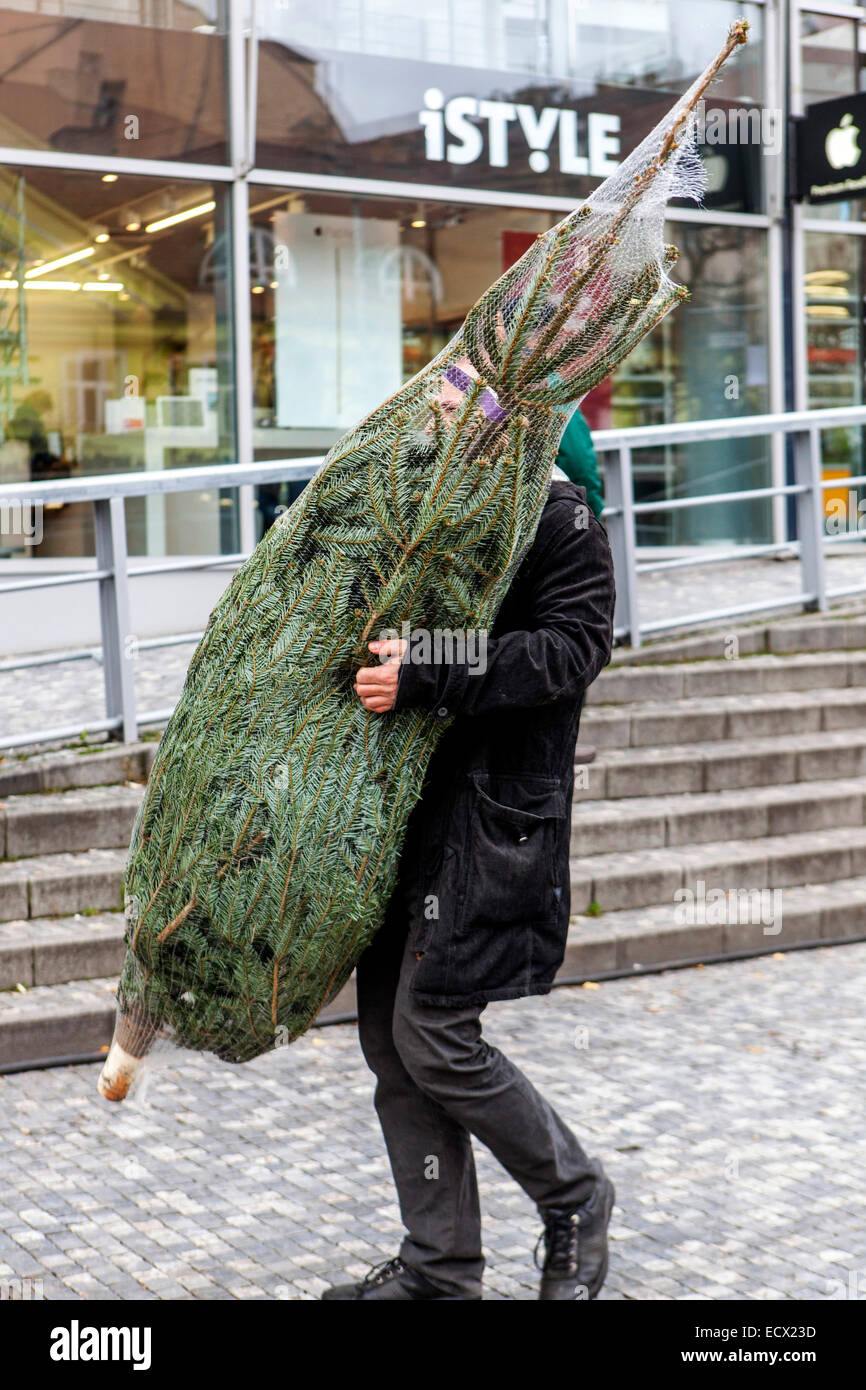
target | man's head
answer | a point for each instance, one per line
(457, 380)
(455, 383)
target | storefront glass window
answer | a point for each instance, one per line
(115, 349)
(832, 56)
(352, 296)
(115, 77)
(526, 98)
(834, 291)
(707, 360)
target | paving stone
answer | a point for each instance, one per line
(286, 1186)
(720, 1098)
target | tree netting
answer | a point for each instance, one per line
(267, 844)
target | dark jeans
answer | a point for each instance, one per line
(438, 1082)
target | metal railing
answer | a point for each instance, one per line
(113, 572)
(808, 489)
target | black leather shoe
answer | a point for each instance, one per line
(575, 1245)
(392, 1280)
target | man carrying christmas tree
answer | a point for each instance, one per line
(481, 913)
(249, 913)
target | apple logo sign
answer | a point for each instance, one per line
(841, 146)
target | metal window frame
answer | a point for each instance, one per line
(469, 197)
(799, 347)
(774, 202)
(115, 164)
(828, 7)
(243, 61)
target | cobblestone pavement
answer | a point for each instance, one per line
(57, 696)
(726, 1103)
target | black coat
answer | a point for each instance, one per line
(484, 871)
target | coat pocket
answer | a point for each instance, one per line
(511, 870)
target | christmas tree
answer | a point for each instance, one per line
(267, 845)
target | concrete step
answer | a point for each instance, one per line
(747, 675)
(722, 765)
(650, 876)
(649, 937)
(77, 1018)
(824, 634)
(706, 719)
(806, 632)
(683, 819)
(92, 818)
(101, 765)
(57, 1020)
(54, 950)
(56, 885)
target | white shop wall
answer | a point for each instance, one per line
(338, 326)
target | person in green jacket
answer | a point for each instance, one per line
(577, 460)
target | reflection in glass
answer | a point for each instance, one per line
(708, 360)
(835, 360)
(528, 97)
(328, 270)
(832, 64)
(115, 77)
(115, 348)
